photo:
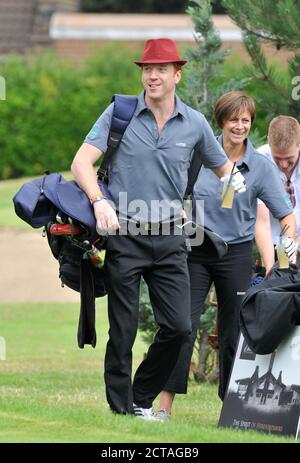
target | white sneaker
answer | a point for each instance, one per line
(144, 413)
(162, 415)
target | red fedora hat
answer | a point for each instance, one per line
(160, 51)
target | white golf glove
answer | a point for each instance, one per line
(290, 248)
(237, 182)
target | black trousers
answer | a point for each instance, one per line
(231, 275)
(162, 261)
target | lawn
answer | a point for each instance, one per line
(8, 188)
(52, 391)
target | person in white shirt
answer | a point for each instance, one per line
(284, 150)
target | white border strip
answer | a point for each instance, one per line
(63, 33)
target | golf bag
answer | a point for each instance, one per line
(271, 309)
(67, 216)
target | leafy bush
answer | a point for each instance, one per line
(51, 105)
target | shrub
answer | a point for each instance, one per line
(51, 105)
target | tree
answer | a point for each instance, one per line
(202, 85)
(277, 89)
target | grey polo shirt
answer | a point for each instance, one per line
(236, 225)
(150, 168)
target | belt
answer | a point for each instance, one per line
(153, 228)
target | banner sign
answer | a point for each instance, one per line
(264, 390)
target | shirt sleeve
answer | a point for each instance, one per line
(208, 148)
(98, 134)
(273, 193)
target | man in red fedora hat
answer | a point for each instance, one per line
(160, 51)
(147, 180)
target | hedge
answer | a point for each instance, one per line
(51, 105)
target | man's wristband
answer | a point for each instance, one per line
(96, 195)
(97, 198)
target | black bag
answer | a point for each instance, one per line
(78, 273)
(271, 309)
(70, 257)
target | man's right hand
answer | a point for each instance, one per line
(106, 217)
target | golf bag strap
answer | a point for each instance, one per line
(86, 327)
(193, 172)
(124, 108)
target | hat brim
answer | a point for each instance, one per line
(157, 61)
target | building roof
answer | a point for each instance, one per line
(96, 26)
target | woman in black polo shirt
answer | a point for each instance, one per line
(230, 273)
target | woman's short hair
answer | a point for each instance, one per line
(232, 104)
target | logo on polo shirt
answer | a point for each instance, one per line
(181, 143)
(93, 133)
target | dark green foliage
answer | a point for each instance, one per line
(205, 80)
(206, 367)
(51, 105)
(274, 86)
(147, 324)
(277, 22)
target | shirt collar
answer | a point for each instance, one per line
(296, 172)
(180, 107)
(297, 168)
(247, 158)
(141, 105)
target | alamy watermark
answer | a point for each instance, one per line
(2, 348)
(160, 217)
(296, 89)
(2, 88)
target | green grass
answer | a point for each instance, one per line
(8, 218)
(8, 188)
(51, 391)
